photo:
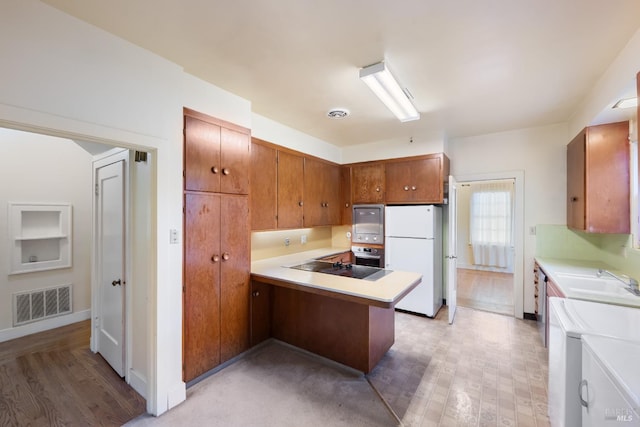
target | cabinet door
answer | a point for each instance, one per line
(332, 194)
(201, 298)
(576, 182)
(314, 191)
(260, 312)
(399, 180)
(235, 161)
(607, 179)
(427, 180)
(322, 193)
(415, 181)
(345, 190)
(234, 276)
(264, 170)
(290, 188)
(368, 183)
(201, 155)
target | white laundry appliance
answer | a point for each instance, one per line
(569, 320)
(413, 242)
(610, 386)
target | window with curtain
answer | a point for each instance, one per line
(491, 227)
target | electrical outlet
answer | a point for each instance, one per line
(303, 239)
(173, 236)
(287, 241)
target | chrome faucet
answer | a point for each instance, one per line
(630, 281)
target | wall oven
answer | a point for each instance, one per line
(368, 224)
(367, 255)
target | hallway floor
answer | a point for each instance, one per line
(485, 290)
(52, 379)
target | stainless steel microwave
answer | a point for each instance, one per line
(368, 224)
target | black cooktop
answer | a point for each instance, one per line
(346, 270)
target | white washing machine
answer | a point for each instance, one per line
(569, 319)
(610, 386)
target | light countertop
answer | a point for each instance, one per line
(578, 280)
(384, 292)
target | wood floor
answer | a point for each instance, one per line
(53, 379)
(485, 290)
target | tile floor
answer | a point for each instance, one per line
(484, 370)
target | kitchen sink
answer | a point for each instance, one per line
(591, 284)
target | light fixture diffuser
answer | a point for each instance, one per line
(626, 103)
(386, 87)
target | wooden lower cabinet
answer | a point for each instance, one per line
(216, 280)
(260, 312)
(354, 334)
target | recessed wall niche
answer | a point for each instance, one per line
(40, 236)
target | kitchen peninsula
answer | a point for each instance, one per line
(344, 319)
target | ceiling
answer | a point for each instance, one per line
(473, 67)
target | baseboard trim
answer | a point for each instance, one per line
(138, 382)
(44, 325)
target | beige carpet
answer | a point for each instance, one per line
(277, 385)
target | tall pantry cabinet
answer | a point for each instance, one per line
(216, 242)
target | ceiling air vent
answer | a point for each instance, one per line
(338, 113)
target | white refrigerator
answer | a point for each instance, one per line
(413, 242)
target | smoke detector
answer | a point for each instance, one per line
(337, 113)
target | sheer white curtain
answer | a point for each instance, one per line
(492, 223)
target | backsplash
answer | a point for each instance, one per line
(267, 244)
(557, 241)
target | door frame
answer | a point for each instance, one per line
(518, 237)
(112, 156)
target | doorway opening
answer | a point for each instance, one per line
(489, 268)
(38, 180)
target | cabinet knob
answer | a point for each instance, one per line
(256, 293)
(378, 189)
(225, 256)
(574, 199)
(406, 188)
(300, 203)
(413, 188)
(226, 171)
(116, 282)
(214, 169)
(215, 258)
(346, 205)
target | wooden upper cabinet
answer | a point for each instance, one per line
(576, 181)
(322, 193)
(345, 189)
(217, 154)
(264, 180)
(598, 187)
(416, 180)
(202, 155)
(290, 190)
(367, 181)
(235, 161)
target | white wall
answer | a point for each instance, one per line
(43, 169)
(435, 143)
(271, 131)
(64, 77)
(541, 154)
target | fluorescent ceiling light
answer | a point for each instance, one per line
(626, 103)
(381, 82)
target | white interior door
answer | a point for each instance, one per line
(452, 258)
(110, 215)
